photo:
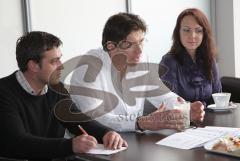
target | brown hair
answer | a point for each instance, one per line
(119, 26)
(32, 45)
(207, 49)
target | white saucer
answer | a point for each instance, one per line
(213, 107)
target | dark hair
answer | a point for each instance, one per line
(32, 45)
(119, 26)
(207, 49)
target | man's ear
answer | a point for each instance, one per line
(110, 45)
(33, 66)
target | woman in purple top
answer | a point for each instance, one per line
(191, 69)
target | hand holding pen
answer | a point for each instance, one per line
(83, 143)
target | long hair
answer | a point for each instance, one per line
(207, 47)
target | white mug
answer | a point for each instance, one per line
(221, 99)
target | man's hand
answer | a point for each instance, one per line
(83, 143)
(160, 119)
(197, 111)
(113, 140)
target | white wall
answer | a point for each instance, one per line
(78, 23)
(161, 19)
(225, 37)
(236, 13)
(10, 29)
(227, 24)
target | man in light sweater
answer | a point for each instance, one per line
(112, 85)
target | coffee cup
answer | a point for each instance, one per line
(221, 100)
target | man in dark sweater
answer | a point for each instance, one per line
(29, 129)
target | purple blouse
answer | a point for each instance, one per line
(188, 80)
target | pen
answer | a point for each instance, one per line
(82, 130)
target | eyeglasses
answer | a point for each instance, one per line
(188, 30)
(125, 44)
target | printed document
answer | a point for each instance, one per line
(193, 138)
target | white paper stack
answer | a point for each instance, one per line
(193, 138)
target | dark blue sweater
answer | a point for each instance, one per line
(28, 126)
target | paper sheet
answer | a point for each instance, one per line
(193, 138)
(101, 150)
